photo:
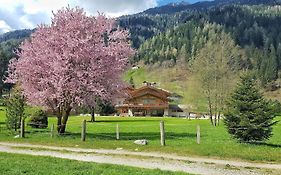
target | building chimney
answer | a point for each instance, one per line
(145, 83)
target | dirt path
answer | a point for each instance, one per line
(194, 165)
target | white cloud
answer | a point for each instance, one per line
(114, 7)
(37, 6)
(27, 23)
(4, 27)
(19, 14)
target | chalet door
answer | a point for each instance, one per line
(160, 112)
(154, 112)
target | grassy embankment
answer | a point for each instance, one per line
(180, 137)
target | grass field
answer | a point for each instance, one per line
(180, 137)
(16, 164)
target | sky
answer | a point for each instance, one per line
(27, 14)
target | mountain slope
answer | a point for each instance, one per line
(179, 7)
(156, 20)
(17, 34)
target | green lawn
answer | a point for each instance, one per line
(181, 138)
(16, 164)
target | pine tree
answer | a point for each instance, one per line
(269, 66)
(182, 56)
(278, 54)
(15, 109)
(272, 64)
(249, 117)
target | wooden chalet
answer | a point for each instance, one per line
(145, 101)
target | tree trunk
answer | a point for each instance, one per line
(64, 120)
(58, 123)
(93, 115)
(59, 116)
(210, 111)
(219, 116)
(1, 91)
(19, 122)
(215, 123)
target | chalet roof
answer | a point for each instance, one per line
(175, 107)
(150, 90)
(129, 89)
(164, 92)
(125, 92)
(130, 92)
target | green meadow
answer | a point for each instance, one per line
(180, 137)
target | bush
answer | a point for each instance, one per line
(104, 108)
(3, 101)
(38, 119)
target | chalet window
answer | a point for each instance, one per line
(154, 112)
(148, 101)
(145, 101)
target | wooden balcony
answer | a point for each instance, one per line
(144, 106)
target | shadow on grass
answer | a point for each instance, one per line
(2, 123)
(43, 131)
(268, 144)
(131, 136)
(123, 120)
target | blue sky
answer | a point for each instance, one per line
(163, 2)
(22, 14)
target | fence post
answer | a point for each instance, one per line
(117, 132)
(22, 128)
(162, 133)
(52, 130)
(83, 133)
(198, 134)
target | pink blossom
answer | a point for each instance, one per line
(72, 61)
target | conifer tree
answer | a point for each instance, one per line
(182, 57)
(249, 117)
(278, 54)
(15, 109)
(272, 64)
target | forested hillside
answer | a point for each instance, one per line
(17, 34)
(155, 20)
(9, 42)
(178, 39)
(167, 39)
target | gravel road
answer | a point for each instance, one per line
(194, 165)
